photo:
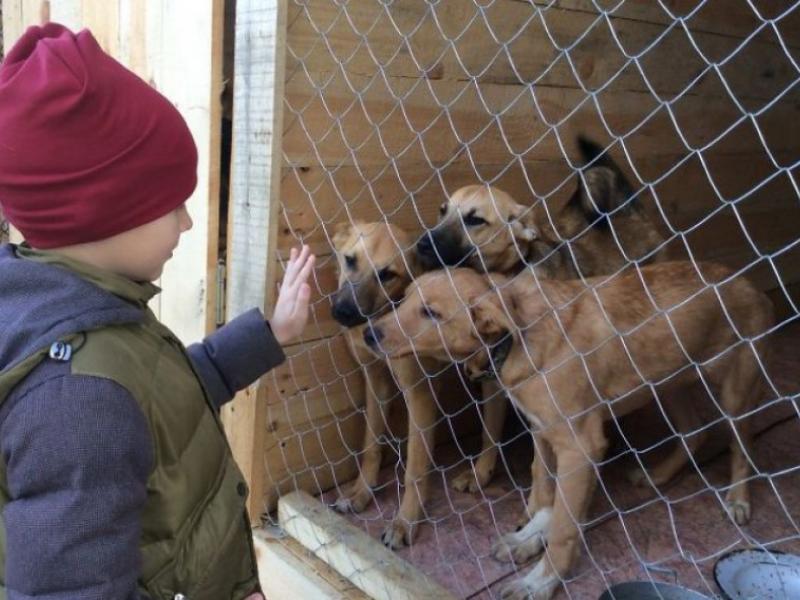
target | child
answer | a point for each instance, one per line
(116, 480)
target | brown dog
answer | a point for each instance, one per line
(598, 231)
(485, 228)
(572, 357)
(376, 263)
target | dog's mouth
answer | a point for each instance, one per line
(495, 359)
(350, 313)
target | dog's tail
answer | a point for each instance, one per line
(603, 187)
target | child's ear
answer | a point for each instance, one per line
(521, 221)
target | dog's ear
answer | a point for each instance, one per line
(489, 317)
(602, 187)
(521, 221)
(341, 232)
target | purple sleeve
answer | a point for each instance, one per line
(236, 355)
(78, 453)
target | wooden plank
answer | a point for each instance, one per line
(187, 71)
(514, 42)
(12, 23)
(439, 122)
(725, 17)
(255, 167)
(132, 40)
(257, 139)
(288, 571)
(67, 12)
(313, 456)
(363, 560)
(102, 19)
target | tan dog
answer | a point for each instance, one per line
(485, 228)
(373, 274)
(572, 358)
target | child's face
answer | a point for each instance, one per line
(140, 253)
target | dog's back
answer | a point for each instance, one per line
(660, 322)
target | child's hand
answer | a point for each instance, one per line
(291, 309)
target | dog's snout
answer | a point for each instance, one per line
(373, 336)
(347, 313)
(425, 245)
(440, 247)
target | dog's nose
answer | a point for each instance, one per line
(372, 336)
(347, 314)
(425, 245)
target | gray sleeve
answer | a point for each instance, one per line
(78, 453)
(236, 355)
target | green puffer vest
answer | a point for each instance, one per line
(196, 539)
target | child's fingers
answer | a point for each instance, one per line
(302, 276)
(296, 262)
(303, 298)
(305, 272)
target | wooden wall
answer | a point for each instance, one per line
(176, 46)
(388, 109)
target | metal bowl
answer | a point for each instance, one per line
(758, 575)
(650, 590)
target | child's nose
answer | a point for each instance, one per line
(185, 220)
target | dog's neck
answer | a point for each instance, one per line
(497, 358)
(549, 261)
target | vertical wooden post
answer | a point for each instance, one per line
(259, 64)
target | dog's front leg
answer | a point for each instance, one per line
(575, 483)
(543, 478)
(531, 534)
(495, 406)
(379, 389)
(422, 413)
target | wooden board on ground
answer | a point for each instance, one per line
(288, 571)
(363, 560)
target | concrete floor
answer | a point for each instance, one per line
(681, 527)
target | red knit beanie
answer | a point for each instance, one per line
(87, 149)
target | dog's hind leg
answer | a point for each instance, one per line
(686, 421)
(379, 392)
(741, 390)
(495, 407)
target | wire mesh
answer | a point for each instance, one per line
(687, 112)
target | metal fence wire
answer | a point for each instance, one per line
(617, 151)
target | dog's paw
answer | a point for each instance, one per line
(536, 585)
(354, 499)
(399, 533)
(738, 510)
(471, 481)
(737, 504)
(637, 477)
(526, 543)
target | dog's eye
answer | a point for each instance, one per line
(443, 209)
(471, 220)
(429, 313)
(350, 261)
(386, 274)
